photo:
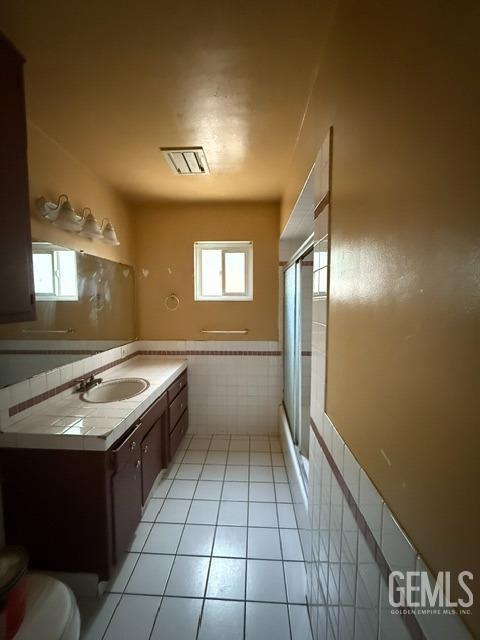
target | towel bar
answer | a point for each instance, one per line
(69, 330)
(243, 331)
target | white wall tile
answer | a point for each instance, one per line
(326, 431)
(396, 547)
(371, 504)
(333, 527)
(440, 627)
(338, 448)
(351, 473)
(20, 392)
(38, 384)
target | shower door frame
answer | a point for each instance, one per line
(295, 420)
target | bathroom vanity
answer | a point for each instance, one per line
(76, 510)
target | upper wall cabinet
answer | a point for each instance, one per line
(17, 299)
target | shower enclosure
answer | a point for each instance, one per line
(298, 282)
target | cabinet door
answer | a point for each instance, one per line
(127, 503)
(178, 432)
(152, 455)
(16, 286)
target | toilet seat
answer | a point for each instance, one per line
(51, 611)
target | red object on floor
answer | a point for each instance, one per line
(13, 569)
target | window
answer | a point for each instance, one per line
(223, 270)
(54, 272)
(320, 268)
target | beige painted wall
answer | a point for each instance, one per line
(52, 171)
(164, 243)
(399, 84)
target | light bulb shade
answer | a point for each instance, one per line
(109, 235)
(67, 219)
(48, 210)
(90, 227)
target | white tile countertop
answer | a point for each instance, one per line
(67, 422)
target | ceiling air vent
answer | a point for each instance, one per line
(186, 162)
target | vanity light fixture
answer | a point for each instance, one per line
(62, 215)
(109, 234)
(90, 228)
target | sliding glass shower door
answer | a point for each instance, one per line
(297, 347)
(290, 356)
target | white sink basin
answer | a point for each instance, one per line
(115, 390)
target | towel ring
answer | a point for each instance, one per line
(172, 302)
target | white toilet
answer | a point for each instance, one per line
(51, 611)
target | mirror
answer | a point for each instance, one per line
(85, 304)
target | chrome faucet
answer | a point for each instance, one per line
(87, 383)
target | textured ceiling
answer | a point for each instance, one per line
(113, 81)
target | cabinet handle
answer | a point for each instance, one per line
(138, 464)
(133, 445)
(180, 384)
(181, 405)
(145, 448)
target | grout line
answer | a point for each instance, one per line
(284, 574)
(211, 554)
(246, 547)
(175, 555)
(202, 555)
(111, 617)
(150, 595)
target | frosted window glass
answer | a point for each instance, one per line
(67, 274)
(43, 273)
(235, 272)
(211, 272)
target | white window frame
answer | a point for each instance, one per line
(234, 246)
(53, 250)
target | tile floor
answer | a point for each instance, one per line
(217, 554)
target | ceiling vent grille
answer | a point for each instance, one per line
(190, 161)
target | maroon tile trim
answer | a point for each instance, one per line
(31, 352)
(409, 617)
(18, 408)
(63, 387)
(208, 353)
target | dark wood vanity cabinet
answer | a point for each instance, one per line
(126, 503)
(77, 511)
(16, 284)
(154, 454)
(177, 412)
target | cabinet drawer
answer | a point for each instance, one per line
(128, 446)
(175, 388)
(177, 407)
(178, 432)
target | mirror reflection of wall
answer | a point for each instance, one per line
(85, 304)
